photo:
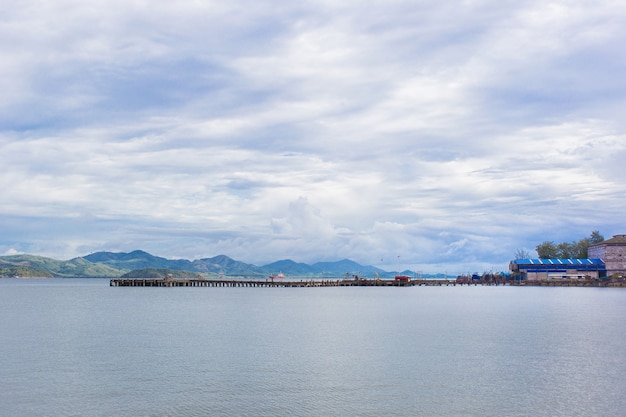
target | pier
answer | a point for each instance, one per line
(156, 282)
(159, 282)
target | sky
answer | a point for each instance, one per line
(423, 135)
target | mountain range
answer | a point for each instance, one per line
(116, 264)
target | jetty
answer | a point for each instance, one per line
(158, 282)
(171, 282)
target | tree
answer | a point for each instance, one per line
(547, 250)
(522, 254)
(581, 248)
(564, 250)
(596, 237)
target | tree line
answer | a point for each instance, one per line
(550, 250)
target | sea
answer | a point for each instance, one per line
(78, 347)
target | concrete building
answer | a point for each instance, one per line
(613, 254)
(544, 269)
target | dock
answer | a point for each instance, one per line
(172, 282)
(158, 282)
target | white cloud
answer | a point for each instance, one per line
(445, 135)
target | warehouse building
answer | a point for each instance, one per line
(613, 253)
(543, 269)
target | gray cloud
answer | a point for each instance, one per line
(436, 136)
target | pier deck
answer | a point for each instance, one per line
(156, 282)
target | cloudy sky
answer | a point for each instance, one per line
(435, 136)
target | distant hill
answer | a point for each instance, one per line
(22, 270)
(116, 264)
(161, 273)
(324, 269)
(348, 266)
(137, 260)
(222, 264)
(39, 266)
(289, 267)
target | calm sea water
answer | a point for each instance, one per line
(81, 348)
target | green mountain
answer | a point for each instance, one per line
(39, 266)
(220, 264)
(137, 260)
(289, 267)
(349, 267)
(161, 273)
(111, 264)
(10, 269)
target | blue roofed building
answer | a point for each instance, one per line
(545, 269)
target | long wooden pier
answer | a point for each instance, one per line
(156, 282)
(172, 282)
